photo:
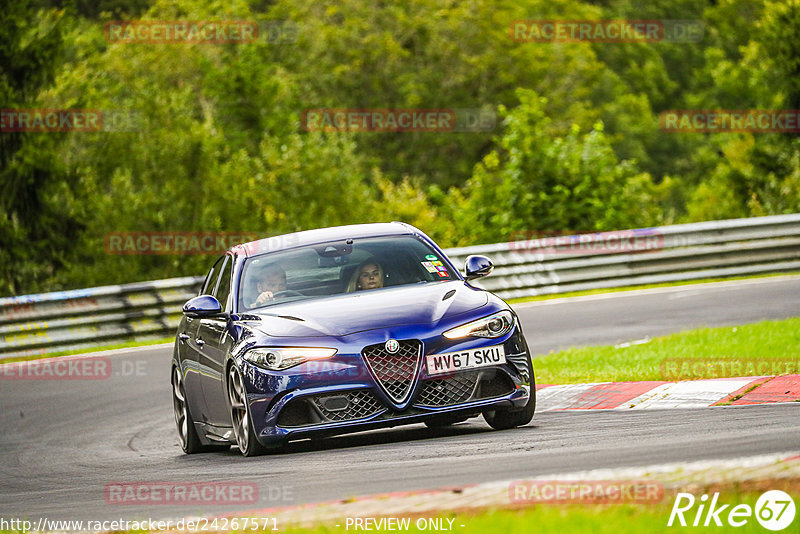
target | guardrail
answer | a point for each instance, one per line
(65, 320)
(682, 252)
(84, 318)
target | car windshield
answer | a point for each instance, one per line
(338, 267)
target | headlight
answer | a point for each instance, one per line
(277, 359)
(496, 325)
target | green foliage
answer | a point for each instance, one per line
(216, 144)
(34, 226)
(536, 181)
(433, 55)
(216, 149)
(779, 28)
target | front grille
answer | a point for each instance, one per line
(394, 372)
(464, 386)
(330, 408)
(447, 391)
(359, 404)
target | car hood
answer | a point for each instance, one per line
(346, 314)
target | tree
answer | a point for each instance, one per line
(35, 228)
(537, 182)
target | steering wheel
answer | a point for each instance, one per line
(286, 293)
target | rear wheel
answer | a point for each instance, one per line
(240, 415)
(190, 442)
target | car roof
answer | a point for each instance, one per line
(323, 235)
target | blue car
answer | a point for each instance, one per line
(342, 330)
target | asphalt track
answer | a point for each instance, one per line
(63, 442)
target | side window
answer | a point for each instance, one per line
(211, 278)
(224, 284)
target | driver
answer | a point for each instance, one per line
(270, 280)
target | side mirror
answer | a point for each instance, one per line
(477, 267)
(202, 306)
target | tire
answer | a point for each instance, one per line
(503, 419)
(187, 433)
(240, 415)
(442, 422)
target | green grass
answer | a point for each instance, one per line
(564, 518)
(596, 519)
(571, 518)
(745, 350)
(110, 346)
(643, 286)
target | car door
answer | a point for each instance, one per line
(190, 351)
(211, 334)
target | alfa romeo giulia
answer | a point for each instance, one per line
(341, 330)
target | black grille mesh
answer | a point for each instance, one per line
(394, 372)
(464, 386)
(316, 410)
(446, 391)
(360, 404)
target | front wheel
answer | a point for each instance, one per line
(502, 419)
(240, 415)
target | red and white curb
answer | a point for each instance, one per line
(662, 395)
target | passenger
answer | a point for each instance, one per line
(369, 275)
(270, 279)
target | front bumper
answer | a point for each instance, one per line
(345, 397)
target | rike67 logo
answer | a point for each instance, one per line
(774, 510)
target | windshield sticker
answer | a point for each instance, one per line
(429, 266)
(431, 257)
(443, 274)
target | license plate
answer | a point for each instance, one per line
(448, 362)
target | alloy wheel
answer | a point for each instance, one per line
(179, 406)
(238, 404)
